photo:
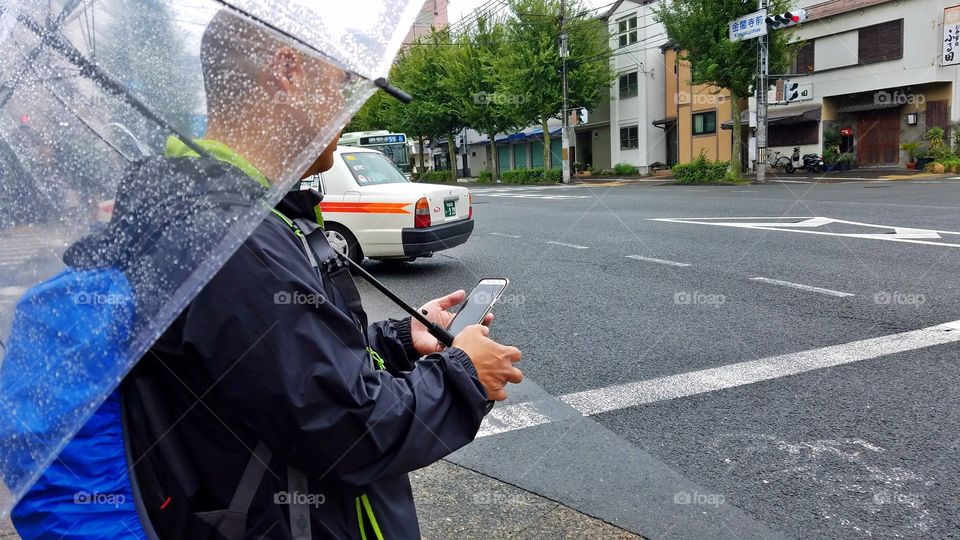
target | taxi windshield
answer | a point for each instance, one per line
(372, 168)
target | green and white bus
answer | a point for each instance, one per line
(393, 145)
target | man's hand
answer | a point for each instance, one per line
(494, 362)
(436, 311)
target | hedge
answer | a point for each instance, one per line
(531, 176)
(702, 171)
(434, 177)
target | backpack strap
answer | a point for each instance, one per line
(331, 265)
(250, 481)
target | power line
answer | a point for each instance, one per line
(490, 9)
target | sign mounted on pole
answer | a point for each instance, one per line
(749, 26)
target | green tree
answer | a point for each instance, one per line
(700, 30)
(474, 80)
(146, 51)
(375, 114)
(532, 66)
(421, 71)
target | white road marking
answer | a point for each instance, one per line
(505, 235)
(532, 196)
(745, 191)
(512, 418)
(808, 225)
(802, 287)
(658, 261)
(574, 246)
(622, 396)
(12, 291)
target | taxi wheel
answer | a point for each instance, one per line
(342, 240)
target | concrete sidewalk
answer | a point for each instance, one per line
(454, 502)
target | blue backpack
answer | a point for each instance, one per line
(87, 318)
(69, 342)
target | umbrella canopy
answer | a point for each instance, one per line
(141, 141)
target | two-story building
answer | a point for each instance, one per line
(623, 131)
(695, 114)
(878, 72)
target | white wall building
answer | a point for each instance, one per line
(637, 96)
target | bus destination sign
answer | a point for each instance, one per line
(383, 139)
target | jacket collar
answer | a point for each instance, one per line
(219, 151)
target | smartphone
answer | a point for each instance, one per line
(478, 304)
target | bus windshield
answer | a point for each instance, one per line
(398, 154)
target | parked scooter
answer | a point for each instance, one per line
(809, 162)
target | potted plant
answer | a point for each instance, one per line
(935, 148)
(845, 161)
(912, 149)
(830, 159)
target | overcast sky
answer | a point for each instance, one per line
(459, 8)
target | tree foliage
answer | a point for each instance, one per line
(531, 68)
(700, 30)
(146, 50)
(474, 80)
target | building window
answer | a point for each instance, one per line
(795, 134)
(628, 85)
(629, 138)
(627, 31)
(705, 122)
(881, 42)
(804, 62)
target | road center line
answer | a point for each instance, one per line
(574, 246)
(505, 235)
(658, 261)
(802, 287)
(622, 396)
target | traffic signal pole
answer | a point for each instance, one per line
(762, 94)
(564, 137)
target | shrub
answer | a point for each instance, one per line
(486, 177)
(935, 168)
(701, 171)
(626, 169)
(602, 172)
(531, 176)
(434, 177)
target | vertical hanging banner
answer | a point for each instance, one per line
(749, 26)
(951, 36)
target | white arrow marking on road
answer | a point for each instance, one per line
(802, 287)
(622, 396)
(806, 225)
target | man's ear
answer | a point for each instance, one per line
(286, 66)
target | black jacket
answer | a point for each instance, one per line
(264, 355)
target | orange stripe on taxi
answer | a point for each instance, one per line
(366, 208)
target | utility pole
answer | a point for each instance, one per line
(564, 138)
(762, 86)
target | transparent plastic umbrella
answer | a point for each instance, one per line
(95, 97)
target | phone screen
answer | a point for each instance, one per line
(477, 305)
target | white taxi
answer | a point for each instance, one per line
(370, 209)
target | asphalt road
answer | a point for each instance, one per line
(694, 375)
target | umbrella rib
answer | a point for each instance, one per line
(67, 9)
(92, 71)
